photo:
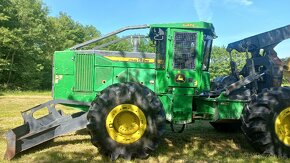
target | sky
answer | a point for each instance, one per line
(233, 19)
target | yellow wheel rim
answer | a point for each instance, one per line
(126, 123)
(282, 126)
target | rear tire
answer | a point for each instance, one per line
(121, 141)
(266, 122)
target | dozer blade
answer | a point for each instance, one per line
(36, 131)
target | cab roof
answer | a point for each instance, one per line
(187, 25)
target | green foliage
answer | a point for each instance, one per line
(65, 32)
(127, 45)
(220, 61)
(123, 45)
(146, 46)
(23, 24)
(28, 38)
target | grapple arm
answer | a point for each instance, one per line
(36, 131)
(261, 41)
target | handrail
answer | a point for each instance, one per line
(108, 35)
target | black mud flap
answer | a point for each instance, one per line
(36, 131)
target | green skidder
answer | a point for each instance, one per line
(126, 98)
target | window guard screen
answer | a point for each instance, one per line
(184, 50)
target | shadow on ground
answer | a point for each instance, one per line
(51, 151)
(198, 142)
(201, 142)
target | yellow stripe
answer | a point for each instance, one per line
(125, 59)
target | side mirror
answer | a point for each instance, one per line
(157, 34)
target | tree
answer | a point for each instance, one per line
(65, 32)
(22, 26)
(220, 61)
(28, 38)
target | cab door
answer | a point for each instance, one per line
(184, 56)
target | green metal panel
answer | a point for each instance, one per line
(182, 109)
(228, 109)
(103, 78)
(220, 108)
(178, 108)
(205, 107)
(62, 88)
(205, 81)
(63, 78)
(84, 76)
(161, 85)
(183, 91)
(105, 62)
(61, 57)
(167, 101)
(120, 75)
(143, 76)
(102, 61)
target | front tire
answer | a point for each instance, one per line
(266, 122)
(126, 120)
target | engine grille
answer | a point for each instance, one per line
(84, 70)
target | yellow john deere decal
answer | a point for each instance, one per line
(282, 126)
(126, 123)
(127, 59)
(180, 78)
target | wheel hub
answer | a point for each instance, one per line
(126, 123)
(282, 126)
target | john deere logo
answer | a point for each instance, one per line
(180, 78)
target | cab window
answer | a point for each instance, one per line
(160, 53)
(207, 46)
(158, 36)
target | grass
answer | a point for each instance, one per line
(199, 143)
(25, 93)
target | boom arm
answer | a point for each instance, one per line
(261, 41)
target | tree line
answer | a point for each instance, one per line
(29, 37)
